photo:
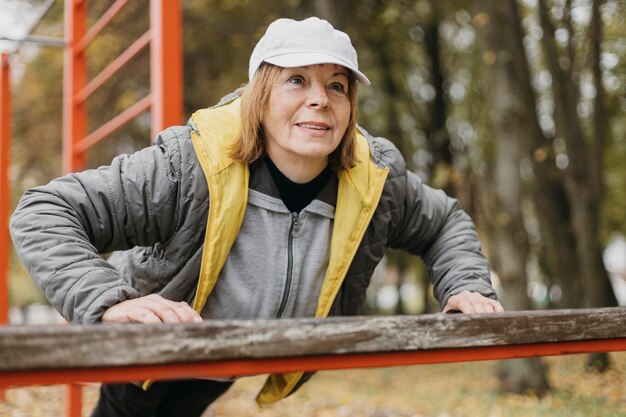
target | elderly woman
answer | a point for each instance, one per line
(272, 204)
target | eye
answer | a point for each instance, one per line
(296, 79)
(338, 87)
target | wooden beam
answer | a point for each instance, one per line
(246, 367)
(100, 346)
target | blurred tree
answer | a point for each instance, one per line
(442, 166)
(583, 174)
(613, 68)
(381, 38)
(548, 192)
(503, 202)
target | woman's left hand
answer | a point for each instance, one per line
(472, 302)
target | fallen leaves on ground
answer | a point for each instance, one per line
(448, 390)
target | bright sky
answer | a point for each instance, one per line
(15, 18)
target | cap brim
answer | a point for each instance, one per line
(292, 60)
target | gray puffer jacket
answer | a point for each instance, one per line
(153, 206)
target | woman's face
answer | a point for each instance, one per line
(307, 115)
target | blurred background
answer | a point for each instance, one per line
(516, 108)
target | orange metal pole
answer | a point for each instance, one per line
(5, 189)
(97, 27)
(73, 400)
(74, 119)
(166, 75)
(113, 67)
(114, 124)
(312, 363)
(75, 77)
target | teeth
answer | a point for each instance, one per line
(308, 126)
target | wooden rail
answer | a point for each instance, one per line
(46, 355)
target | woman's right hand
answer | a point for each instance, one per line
(151, 309)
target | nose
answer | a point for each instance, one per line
(318, 96)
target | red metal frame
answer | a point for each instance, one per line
(114, 67)
(97, 27)
(113, 124)
(165, 99)
(166, 73)
(74, 80)
(73, 400)
(313, 363)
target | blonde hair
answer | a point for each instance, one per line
(254, 102)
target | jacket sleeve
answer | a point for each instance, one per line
(432, 225)
(60, 229)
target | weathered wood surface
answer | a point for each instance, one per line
(75, 347)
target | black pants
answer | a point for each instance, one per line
(184, 398)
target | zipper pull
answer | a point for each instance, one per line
(296, 224)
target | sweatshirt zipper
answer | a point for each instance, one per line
(292, 231)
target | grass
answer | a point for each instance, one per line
(448, 390)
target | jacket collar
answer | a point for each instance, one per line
(261, 181)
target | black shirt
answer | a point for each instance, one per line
(297, 196)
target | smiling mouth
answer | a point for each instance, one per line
(312, 126)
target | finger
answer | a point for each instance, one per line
(451, 307)
(175, 312)
(167, 314)
(193, 314)
(464, 306)
(484, 304)
(452, 304)
(144, 316)
(455, 304)
(162, 309)
(185, 313)
(171, 311)
(494, 306)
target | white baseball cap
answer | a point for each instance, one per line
(292, 43)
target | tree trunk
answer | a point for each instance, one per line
(509, 117)
(605, 294)
(555, 218)
(325, 9)
(442, 167)
(549, 195)
(583, 179)
(380, 39)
